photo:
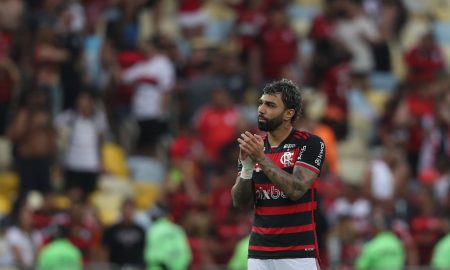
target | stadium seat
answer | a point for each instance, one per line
(302, 12)
(146, 194)
(115, 184)
(5, 153)
(384, 81)
(398, 64)
(301, 27)
(9, 184)
(416, 27)
(442, 32)
(108, 206)
(114, 159)
(440, 9)
(353, 159)
(5, 205)
(61, 202)
(446, 50)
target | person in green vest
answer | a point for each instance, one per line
(441, 254)
(60, 253)
(384, 251)
(167, 246)
(239, 259)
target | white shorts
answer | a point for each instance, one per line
(283, 264)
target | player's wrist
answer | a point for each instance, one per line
(247, 168)
(246, 174)
(260, 159)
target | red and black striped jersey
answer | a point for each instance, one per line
(283, 228)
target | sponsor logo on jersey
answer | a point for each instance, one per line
(271, 193)
(301, 152)
(319, 158)
(289, 146)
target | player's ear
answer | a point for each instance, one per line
(288, 114)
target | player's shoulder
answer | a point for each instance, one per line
(306, 136)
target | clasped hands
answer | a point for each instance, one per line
(251, 145)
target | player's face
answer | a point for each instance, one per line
(270, 112)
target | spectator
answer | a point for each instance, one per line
(6, 254)
(276, 50)
(24, 240)
(435, 150)
(426, 227)
(166, 245)
(124, 241)
(220, 112)
(330, 72)
(250, 21)
(9, 79)
(82, 131)
(352, 205)
(71, 22)
(425, 60)
(59, 253)
(387, 176)
(239, 259)
(357, 32)
(201, 79)
(413, 112)
(440, 259)
(122, 24)
(152, 78)
(312, 121)
(34, 137)
(384, 251)
(84, 234)
(48, 57)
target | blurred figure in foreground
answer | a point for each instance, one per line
(125, 240)
(167, 246)
(239, 259)
(24, 240)
(60, 253)
(441, 259)
(385, 250)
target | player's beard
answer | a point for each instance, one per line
(270, 124)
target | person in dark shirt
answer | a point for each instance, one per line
(124, 241)
(278, 175)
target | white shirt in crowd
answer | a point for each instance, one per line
(82, 152)
(355, 34)
(28, 244)
(382, 182)
(152, 78)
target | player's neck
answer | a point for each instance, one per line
(280, 134)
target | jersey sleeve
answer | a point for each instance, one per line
(312, 154)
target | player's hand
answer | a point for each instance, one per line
(252, 145)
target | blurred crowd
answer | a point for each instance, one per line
(119, 119)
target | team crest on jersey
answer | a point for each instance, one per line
(287, 159)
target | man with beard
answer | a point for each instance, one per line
(277, 175)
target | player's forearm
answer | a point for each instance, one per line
(242, 193)
(291, 186)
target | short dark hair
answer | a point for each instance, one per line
(291, 95)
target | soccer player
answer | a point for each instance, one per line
(278, 175)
